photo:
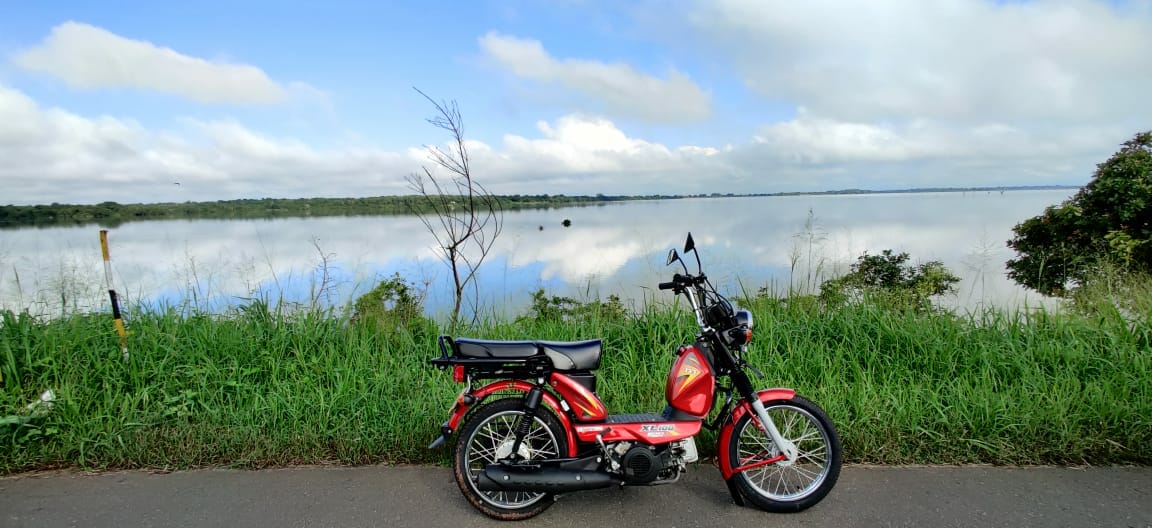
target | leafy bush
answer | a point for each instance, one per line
(392, 304)
(559, 309)
(888, 279)
(1109, 219)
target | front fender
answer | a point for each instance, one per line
(469, 399)
(723, 458)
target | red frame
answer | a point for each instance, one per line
(586, 406)
(724, 460)
(652, 433)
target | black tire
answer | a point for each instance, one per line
(486, 433)
(783, 487)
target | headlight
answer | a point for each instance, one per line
(744, 317)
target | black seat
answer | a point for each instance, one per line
(479, 348)
(575, 355)
(565, 356)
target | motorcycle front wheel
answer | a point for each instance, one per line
(488, 437)
(786, 486)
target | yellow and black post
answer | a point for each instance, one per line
(116, 319)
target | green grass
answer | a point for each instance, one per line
(253, 388)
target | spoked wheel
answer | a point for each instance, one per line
(786, 486)
(488, 437)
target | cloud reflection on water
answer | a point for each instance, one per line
(614, 248)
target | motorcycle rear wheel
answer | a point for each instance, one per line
(487, 437)
(784, 486)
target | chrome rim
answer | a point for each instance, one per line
(493, 440)
(785, 481)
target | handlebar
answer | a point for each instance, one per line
(679, 280)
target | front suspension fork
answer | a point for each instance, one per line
(785, 446)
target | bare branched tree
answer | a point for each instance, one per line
(323, 287)
(461, 214)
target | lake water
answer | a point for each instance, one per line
(617, 248)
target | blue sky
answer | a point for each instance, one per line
(120, 101)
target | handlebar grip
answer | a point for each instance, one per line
(678, 280)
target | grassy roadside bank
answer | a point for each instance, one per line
(254, 389)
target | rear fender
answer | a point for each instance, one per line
(467, 400)
(723, 458)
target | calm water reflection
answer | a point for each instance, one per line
(617, 248)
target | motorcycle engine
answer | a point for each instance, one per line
(641, 465)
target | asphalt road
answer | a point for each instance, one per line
(424, 496)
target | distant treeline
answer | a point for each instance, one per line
(112, 214)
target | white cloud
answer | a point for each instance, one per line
(966, 61)
(85, 56)
(808, 139)
(582, 144)
(893, 93)
(589, 155)
(51, 155)
(817, 140)
(614, 88)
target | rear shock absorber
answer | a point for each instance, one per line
(524, 423)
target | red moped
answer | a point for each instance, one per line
(539, 429)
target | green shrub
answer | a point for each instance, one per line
(887, 279)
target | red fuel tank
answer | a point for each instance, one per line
(691, 383)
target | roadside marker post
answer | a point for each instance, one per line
(116, 319)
